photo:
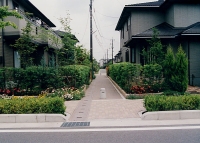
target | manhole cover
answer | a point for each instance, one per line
(75, 124)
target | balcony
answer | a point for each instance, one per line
(41, 32)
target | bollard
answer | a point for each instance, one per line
(102, 93)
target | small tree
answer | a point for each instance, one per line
(180, 78)
(66, 55)
(169, 67)
(176, 70)
(155, 55)
(25, 46)
(4, 12)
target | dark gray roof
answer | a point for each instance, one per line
(165, 30)
(194, 29)
(62, 34)
(154, 3)
(32, 9)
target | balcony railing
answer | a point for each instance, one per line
(42, 32)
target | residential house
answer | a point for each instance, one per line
(178, 23)
(41, 26)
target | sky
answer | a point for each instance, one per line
(106, 14)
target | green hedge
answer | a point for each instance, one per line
(33, 80)
(75, 75)
(124, 74)
(166, 103)
(32, 106)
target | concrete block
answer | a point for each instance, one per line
(55, 118)
(102, 93)
(168, 115)
(7, 118)
(40, 118)
(190, 114)
(150, 116)
(26, 118)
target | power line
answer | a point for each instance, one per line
(106, 15)
(86, 26)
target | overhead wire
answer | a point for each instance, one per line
(86, 26)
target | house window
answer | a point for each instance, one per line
(133, 55)
(127, 55)
(6, 2)
(17, 62)
(143, 60)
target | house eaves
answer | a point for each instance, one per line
(31, 8)
(62, 34)
(129, 8)
(165, 31)
(193, 30)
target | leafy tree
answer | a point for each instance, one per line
(25, 46)
(82, 56)
(4, 12)
(66, 55)
(155, 55)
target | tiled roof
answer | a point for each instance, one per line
(62, 34)
(194, 29)
(155, 3)
(165, 30)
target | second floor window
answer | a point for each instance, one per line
(127, 55)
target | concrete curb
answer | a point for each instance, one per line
(31, 118)
(118, 88)
(171, 115)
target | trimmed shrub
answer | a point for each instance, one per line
(167, 103)
(32, 105)
(125, 74)
(152, 78)
(75, 75)
(141, 96)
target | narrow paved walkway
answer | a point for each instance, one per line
(93, 107)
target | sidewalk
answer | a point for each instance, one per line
(114, 106)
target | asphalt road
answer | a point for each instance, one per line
(103, 135)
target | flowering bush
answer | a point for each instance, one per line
(66, 93)
(140, 89)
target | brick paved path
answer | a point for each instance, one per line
(113, 107)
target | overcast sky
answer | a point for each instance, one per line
(106, 14)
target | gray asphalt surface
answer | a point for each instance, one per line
(149, 136)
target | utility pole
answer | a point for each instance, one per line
(112, 51)
(2, 38)
(91, 42)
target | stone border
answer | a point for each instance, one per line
(171, 115)
(31, 118)
(119, 88)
